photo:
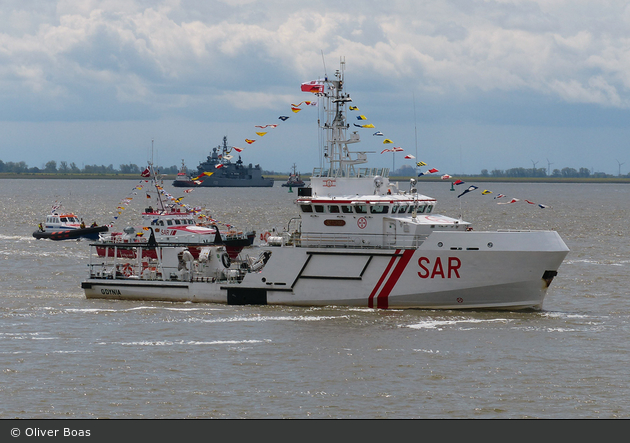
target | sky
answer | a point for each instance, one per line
(463, 85)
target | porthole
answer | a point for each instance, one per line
(490, 244)
(440, 244)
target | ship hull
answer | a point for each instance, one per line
(225, 183)
(429, 277)
(71, 234)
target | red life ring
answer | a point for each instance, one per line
(266, 236)
(127, 270)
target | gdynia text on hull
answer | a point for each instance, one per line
(358, 240)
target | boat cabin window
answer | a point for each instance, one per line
(360, 209)
(429, 208)
(64, 219)
(379, 209)
(333, 209)
(346, 209)
(161, 222)
(306, 208)
(403, 209)
(319, 208)
(421, 208)
(169, 222)
(394, 209)
(177, 222)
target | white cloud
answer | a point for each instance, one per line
(142, 59)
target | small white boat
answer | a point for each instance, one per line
(63, 225)
(359, 240)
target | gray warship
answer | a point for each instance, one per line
(218, 171)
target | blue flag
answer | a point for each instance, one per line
(470, 188)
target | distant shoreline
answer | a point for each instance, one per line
(282, 178)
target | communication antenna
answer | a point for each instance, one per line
(324, 62)
(415, 128)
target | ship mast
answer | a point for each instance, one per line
(336, 151)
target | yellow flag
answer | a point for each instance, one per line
(261, 133)
(387, 141)
(485, 191)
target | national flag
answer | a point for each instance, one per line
(470, 188)
(294, 109)
(458, 182)
(283, 118)
(421, 164)
(146, 173)
(249, 141)
(261, 133)
(353, 108)
(431, 171)
(386, 141)
(361, 117)
(379, 133)
(514, 200)
(445, 177)
(238, 149)
(409, 157)
(485, 192)
(315, 86)
(148, 196)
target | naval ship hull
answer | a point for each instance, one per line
(212, 182)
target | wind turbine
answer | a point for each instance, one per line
(619, 174)
(549, 167)
(534, 168)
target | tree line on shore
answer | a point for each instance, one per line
(63, 167)
(567, 172)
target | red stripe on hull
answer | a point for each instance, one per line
(382, 298)
(380, 281)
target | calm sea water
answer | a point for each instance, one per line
(63, 356)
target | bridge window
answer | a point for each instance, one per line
(379, 209)
(360, 209)
(429, 208)
(333, 209)
(319, 208)
(421, 208)
(306, 208)
(403, 209)
(346, 209)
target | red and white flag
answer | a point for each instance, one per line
(315, 86)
